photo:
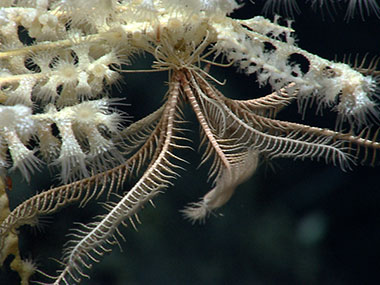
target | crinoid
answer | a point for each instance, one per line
(70, 71)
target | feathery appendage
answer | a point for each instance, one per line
(74, 56)
(92, 240)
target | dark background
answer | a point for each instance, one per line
(293, 222)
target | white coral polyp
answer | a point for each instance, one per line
(16, 127)
(88, 117)
(95, 113)
(22, 157)
(17, 118)
(72, 157)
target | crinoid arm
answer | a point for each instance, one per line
(93, 240)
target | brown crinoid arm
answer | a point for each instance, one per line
(363, 147)
(271, 104)
(138, 133)
(298, 140)
(236, 132)
(91, 241)
(232, 162)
